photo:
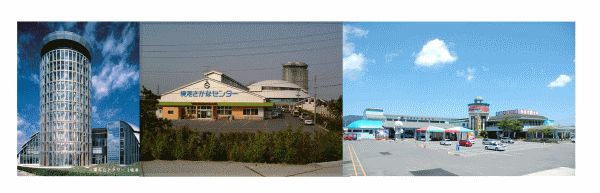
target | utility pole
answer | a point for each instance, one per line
(315, 99)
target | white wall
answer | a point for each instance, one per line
(242, 96)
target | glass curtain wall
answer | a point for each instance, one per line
(30, 152)
(65, 105)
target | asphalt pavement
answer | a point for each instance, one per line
(415, 158)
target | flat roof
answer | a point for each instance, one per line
(60, 39)
(416, 125)
(517, 116)
(397, 115)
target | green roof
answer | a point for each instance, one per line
(174, 103)
(246, 104)
(518, 116)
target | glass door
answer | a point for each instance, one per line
(204, 112)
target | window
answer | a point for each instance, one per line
(251, 111)
(170, 112)
(225, 111)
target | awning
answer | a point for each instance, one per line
(430, 129)
(246, 104)
(174, 104)
(365, 124)
(460, 129)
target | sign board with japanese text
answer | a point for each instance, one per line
(516, 112)
(211, 91)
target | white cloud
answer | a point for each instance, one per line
(20, 121)
(390, 56)
(113, 77)
(560, 81)
(350, 31)
(34, 78)
(109, 113)
(352, 60)
(469, 74)
(435, 52)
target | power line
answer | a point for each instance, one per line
(194, 50)
(286, 38)
(195, 72)
(220, 56)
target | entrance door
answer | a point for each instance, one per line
(204, 112)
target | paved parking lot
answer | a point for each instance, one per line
(224, 126)
(414, 158)
(478, 149)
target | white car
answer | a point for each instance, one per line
(308, 121)
(488, 141)
(445, 142)
(507, 140)
(495, 146)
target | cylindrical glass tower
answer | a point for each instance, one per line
(65, 103)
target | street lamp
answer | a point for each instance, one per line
(397, 125)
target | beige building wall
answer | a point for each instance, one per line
(166, 115)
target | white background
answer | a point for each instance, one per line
(584, 13)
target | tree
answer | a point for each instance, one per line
(150, 125)
(483, 134)
(547, 132)
(507, 125)
(336, 107)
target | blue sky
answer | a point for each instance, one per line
(115, 72)
(436, 69)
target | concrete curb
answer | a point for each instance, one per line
(331, 164)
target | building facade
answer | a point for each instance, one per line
(527, 118)
(65, 100)
(478, 115)
(297, 73)
(118, 143)
(216, 96)
(122, 146)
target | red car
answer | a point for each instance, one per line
(465, 143)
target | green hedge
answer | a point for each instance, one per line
(285, 146)
(542, 140)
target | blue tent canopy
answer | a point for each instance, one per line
(365, 124)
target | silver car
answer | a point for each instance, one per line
(308, 121)
(445, 142)
(488, 141)
(507, 140)
(495, 146)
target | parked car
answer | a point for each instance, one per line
(445, 142)
(304, 116)
(349, 136)
(472, 141)
(573, 140)
(488, 141)
(308, 121)
(465, 143)
(507, 140)
(295, 113)
(495, 146)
